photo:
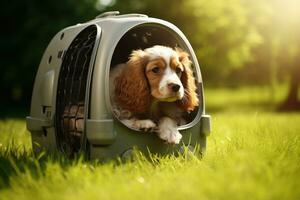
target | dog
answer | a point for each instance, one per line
(153, 91)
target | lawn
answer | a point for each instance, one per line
(252, 153)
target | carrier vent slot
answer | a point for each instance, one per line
(71, 90)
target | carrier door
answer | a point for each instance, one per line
(73, 90)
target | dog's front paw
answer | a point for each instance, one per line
(167, 130)
(170, 136)
(145, 125)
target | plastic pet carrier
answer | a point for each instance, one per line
(71, 109)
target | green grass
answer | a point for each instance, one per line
(252, 154)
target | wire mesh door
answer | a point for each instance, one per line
(71, 91)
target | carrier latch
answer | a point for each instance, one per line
(37, 124)
(205, 125)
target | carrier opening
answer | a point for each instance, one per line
(142, 37)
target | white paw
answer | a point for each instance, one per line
(170, 136)
(167, 131)
(144, 124)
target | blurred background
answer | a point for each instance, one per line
(249, 51)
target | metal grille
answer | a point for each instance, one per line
(71, 90)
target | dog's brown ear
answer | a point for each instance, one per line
(131, 87)
(190, 99)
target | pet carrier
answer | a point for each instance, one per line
(71, 110)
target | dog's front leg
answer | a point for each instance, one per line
(141, 124)
(167, 130)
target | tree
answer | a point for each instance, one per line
(288, 16)
(280, 51)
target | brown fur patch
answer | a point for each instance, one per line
(155, 78)
(175, 63)
(131, 87)
(190, 99)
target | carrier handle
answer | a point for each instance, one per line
(107, 14)
(116, 14)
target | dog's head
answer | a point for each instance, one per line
(158, 72)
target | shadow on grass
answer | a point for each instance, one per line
(17, 161)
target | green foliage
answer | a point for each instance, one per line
(220, 32)
(29, 26)
(278, 23)
(251, 154)
(236, 41)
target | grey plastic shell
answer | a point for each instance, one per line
(108, 138)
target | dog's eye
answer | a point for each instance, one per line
(178, 71)
(155, 70)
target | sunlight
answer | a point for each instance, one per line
(287, 15)
(106, 2)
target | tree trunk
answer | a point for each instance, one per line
(291, 103)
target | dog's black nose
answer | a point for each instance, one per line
(175, 87)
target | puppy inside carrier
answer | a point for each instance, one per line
(73, 107)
